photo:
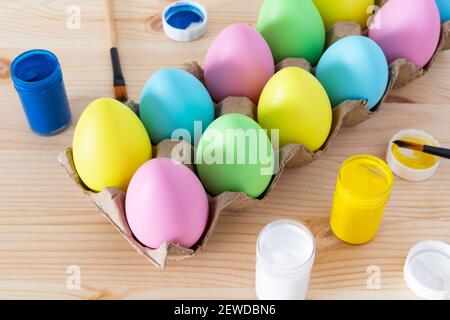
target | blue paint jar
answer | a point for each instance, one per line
(38, 79)
(184, 15)
(185, 20)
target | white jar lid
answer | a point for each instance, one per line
(427, 270)
(185, 21)
(404, 171)
(285, 247)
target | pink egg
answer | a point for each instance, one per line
(407, 29)
(239, 63)
(166, 202)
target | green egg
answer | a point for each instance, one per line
(236, 155)
(293, 29)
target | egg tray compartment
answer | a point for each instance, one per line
(111, 203)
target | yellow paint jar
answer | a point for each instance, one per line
(363, 189)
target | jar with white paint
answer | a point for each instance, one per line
(285, 253)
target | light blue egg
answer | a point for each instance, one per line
(354, 68)
(444, 9)
(174, 99)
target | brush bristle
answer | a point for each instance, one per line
(409, 145)
(121, 93)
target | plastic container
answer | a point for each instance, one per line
(409, 164)
(285, 253)
(363, 189)
(38, 79)
(185, 21)
(427, 270)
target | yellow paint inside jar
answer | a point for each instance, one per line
(414, 159)
(363, 189)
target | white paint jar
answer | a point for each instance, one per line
(285, 253)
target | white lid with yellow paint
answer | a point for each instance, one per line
(409, 164)
(427, 270)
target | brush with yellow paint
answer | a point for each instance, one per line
(120, 87)
(435, 151)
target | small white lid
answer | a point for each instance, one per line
(193, 30)
(404, 171)
(427, 270)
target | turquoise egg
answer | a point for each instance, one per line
(174, 99)
(354, 68)
(444, 9)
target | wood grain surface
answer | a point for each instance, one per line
(46, 225)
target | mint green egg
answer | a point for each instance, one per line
(236, 155)
(293, 29)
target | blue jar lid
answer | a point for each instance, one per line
(36, 70)
(185, 20)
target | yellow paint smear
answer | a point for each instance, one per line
(414, 159)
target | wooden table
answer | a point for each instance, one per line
(46, 225)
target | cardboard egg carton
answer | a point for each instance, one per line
(111, 202)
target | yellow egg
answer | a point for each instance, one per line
(109, 145)
(333, 11)
(295, 102)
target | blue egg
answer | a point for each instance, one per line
(354, 68)
(444, 9)
(174, 99)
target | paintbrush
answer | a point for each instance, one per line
(435, 151)
(120, 87)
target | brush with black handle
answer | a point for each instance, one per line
(120, 87)
(435, 151)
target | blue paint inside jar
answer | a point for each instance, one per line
(183, 16)
(34, 68)
(38, 80)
